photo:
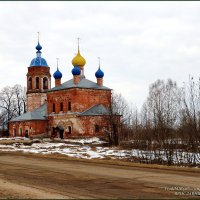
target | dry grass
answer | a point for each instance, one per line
(10, 142)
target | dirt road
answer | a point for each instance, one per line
(29, 176)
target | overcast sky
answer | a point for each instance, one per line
(138, 42)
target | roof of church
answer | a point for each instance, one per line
(37, 114)
(98, 109)
(84, 83)
(38, 61)
(41, 113)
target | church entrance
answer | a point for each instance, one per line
(60, 130)
(26, 133)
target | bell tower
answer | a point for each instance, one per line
(38, 80)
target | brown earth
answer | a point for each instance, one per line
(59, 177)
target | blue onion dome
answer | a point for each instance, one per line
(38, 61)
(38, 47)
(57, 74)
(99, 73)
(76, 70)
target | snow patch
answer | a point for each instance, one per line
(81, 150)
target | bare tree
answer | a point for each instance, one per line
(190, 114)
(119, 115)
(20, 99)
(7, 104)
(161, 116)
(12, 103)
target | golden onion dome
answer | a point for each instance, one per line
(78, 60)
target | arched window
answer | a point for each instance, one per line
(30, 83)
(15, 132)
(54, 107)
(20, 131)
(69, 106)
(37, 82)
(26, 133)
(61, 106)
(69, 129)
(45, 83)
(97, 128)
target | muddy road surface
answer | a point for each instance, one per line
(30, 176)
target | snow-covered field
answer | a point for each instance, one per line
(71, 147)
(88, 149)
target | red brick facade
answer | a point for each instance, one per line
(30, 128)
(79, 99)
(38, 82)
(76, 100)
(63, 110)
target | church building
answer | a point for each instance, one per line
(75, 108)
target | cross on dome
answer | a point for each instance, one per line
(38, 47)
(57, 62)
(99, 73)
(38, 61)
(78, 60)
(57, 74)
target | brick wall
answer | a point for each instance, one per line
(35, 100)
(81, 99)
(36, 96)
(33, 127)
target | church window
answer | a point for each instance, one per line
(54, 107)
(30, 83)
(20, 131)
(45, 83)
(14, 132)
(61, 106)
(26, 133)
(96, 128)
(69, 129)
(37, 82)
(69, 106)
